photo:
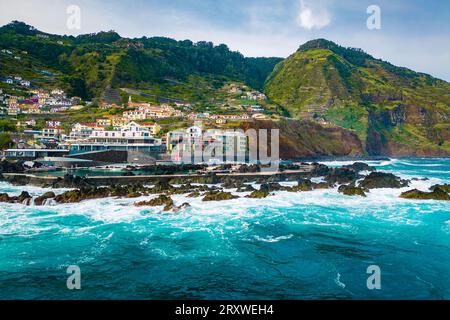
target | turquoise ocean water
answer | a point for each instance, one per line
(310, 245)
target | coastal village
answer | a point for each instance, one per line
(46, 130)
(155, 165)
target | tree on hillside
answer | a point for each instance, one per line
(5, 141)
(7, 126)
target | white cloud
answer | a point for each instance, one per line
(312, 17)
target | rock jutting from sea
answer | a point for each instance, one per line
(349, 179)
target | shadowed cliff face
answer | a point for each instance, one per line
(394, 111)
(408, 130)
(302, 139)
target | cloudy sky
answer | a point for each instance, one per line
(414, 33)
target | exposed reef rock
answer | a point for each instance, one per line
(70, 181)
(194, 194)
(360, 166)
(218, 196)
(341, 175)
(11, 167)
(346, 177)
(175, 209)
(436, 194)
(23, 198)
(165, 201)
(352, 191)
(383, 180)
(259, 194)
(303, 185)
(40, 201)
(445, 187)
(319, 170)
(246, 188)
(162, 200)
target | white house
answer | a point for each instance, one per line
(53, 124)
(130, 137)
(25, 83)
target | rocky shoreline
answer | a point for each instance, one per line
(212, 187)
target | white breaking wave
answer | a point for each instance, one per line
(321, 208)
(337, 280)
(274, 239)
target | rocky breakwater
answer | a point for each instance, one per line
(354, 180)
(24, 198)
(10, 167)
(375, 180)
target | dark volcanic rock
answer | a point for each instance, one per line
(360, 166)
(320, 170)
(245, 168)
(272, 186)
(161, 186)
(420, 179)
(39, 201)
(17, 180)
(351, 191)
(194, 194)
(130, 191)
(341, 176)
(436, 194)
(208, 179)
(304, 185)
(70, 181)
(232, 184)
(162, 200)
(382, 180)
(259, 194)
(23, 198)
(88, 193)
(172, 208)
(11, 167)
(4, 197)
(246, 188)
(218, 196)
(445, 187)
(322, 185)
(75, 196)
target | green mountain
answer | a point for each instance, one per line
(87, 65)
(393, 110)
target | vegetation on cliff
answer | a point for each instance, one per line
(386, 110)
(393, 110)
(88, 64)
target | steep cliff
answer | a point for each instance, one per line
(393, 110)
(304, 139)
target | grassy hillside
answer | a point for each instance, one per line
(88, 64)
(393, 110)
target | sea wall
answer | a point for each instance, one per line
(68, 181)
